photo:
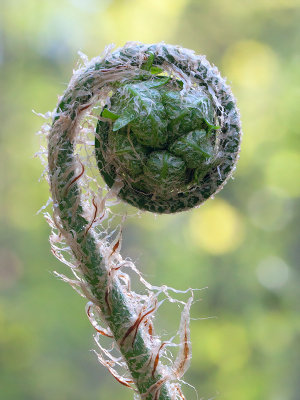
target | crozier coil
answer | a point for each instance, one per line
(167, 139)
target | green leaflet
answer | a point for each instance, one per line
(193, 148)
(156, 70)
(188, 112)
(108, 114)
(124, 120)
(139, 97)
(142, 98)
(164, 171)
(143, 110)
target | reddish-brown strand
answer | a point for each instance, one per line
(116, 268)
(114, 249)
(84, 107)
(125, 382)
(186, 352)
(157, 393)
(106, 300)
(102, 332)
(156, 387)
(128, 284)
(135, 326)
(88, 311)
(180, 393)
(54, 253)
(94, 217)
(150, 329)
(141, 319)
(157, 358)
(75, 179)
(130, 329)
(149, 326)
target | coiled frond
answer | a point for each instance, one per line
(163, 128)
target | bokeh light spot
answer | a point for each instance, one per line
(223, 344)
(216, 227)
(250, 64)
(283, 170)
(272, 273)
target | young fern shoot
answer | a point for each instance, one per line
(160, 126)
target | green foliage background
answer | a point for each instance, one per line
(243, 245)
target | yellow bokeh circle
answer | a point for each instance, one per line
(216, 227)
(251, 64)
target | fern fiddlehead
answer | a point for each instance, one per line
(167, 138)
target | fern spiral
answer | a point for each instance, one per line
(167, 139)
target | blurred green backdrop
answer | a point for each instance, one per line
(242, 245)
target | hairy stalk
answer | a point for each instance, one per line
(97, 263)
